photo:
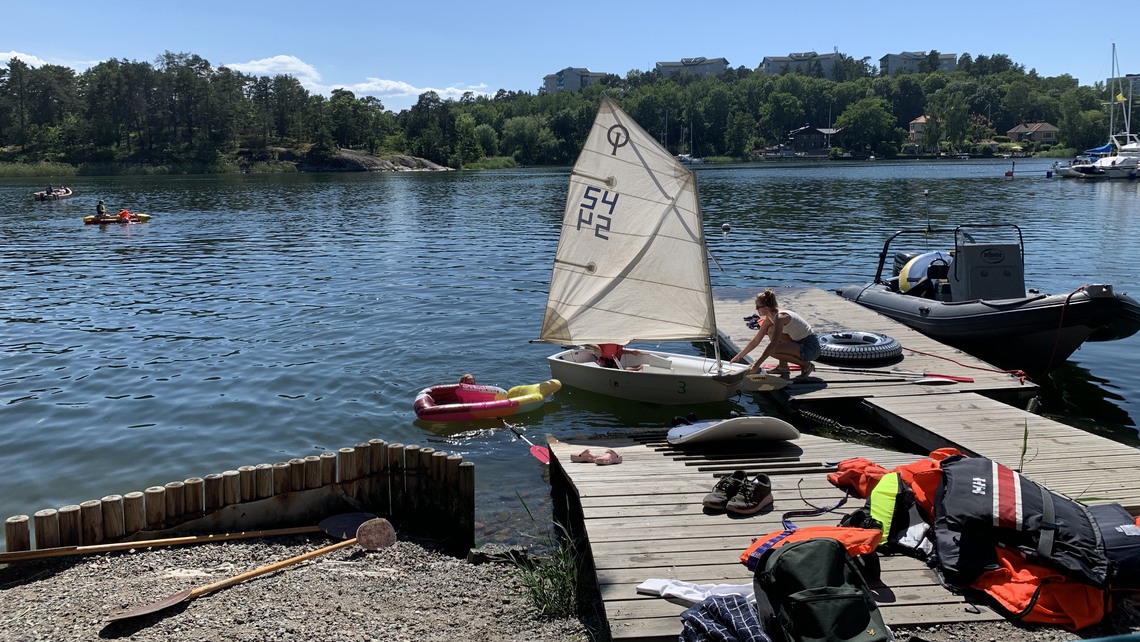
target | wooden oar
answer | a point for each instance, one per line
(894, 371)
(333, 526)
(540, 453)
(373, 534)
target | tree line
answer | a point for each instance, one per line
(182, 112)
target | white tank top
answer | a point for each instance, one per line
(795, 326)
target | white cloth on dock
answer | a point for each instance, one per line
(690, 592)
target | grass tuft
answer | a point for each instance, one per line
(550, 582)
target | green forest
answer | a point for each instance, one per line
(181, 114)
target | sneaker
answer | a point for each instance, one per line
(806, 370)
(727, 487)
(753, 495)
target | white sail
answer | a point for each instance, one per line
(631, 262)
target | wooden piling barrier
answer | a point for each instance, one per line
(90, 522)
(246, 478)
(194, 495)
(282, 476)
(175, 501)
(231, 487)
(263, 480)
(416, 487)
(112, 507)
(312, 467)
(17, 533)
(46, 526)
(69, 525)
(155, 507)
(134, 512)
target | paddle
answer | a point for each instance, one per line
(540, 453)
(894, 371)
(373, 534)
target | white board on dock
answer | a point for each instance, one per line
(738, 428)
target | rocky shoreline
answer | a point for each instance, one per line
(408, 591)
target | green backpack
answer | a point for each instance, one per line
(812, 591)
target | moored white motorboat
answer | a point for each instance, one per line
(974, 298)
(632, 265)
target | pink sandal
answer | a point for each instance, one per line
(584, 457)
(608, 459)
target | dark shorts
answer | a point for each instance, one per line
(809, 347)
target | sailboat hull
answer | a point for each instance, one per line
(653, 377)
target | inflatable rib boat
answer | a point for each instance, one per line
(974, 298)
(466, 402)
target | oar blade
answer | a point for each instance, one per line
(541, 454)
(153, 607)
(345, 525)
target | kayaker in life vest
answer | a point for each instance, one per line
(100, 210)
(124, 215)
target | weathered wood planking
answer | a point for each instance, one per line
(643, 519)
(1067, 460)
(828, 312)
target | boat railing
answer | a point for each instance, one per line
(961, 235)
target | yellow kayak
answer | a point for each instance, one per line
(130, 217)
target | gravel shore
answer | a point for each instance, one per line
(408, 591)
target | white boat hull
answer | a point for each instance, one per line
(653, 377)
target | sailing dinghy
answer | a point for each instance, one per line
(632, 265)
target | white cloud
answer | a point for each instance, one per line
(395, 94)
(28, 59)
(282, 65)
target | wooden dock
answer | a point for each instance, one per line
(643, 519)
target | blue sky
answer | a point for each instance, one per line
(396, 50)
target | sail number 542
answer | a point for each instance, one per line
(593, 211)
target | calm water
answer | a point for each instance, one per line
(260, 318)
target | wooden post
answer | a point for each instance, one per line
(465, 519)
(281, 478)
(155, 507)
(328, 469)
(69, 525)
(297, 473)
(396, 481)
(194, 494)
(17, 533)
(113, 527)
(47, 528)
(346, 470)
(412, 487)
(214, 494)
(134, 512)
(442, 491)
(381, 488)
(246, 476)
(231, 487)
(451, 480)
(428, 516)
(264, 480)
(175, 501)
(312, 472)
(90, 522)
